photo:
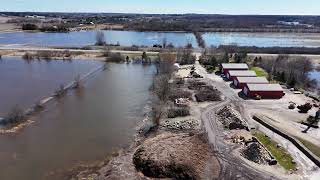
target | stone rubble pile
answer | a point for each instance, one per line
(231, 119)
(256, 153)
(181, 125)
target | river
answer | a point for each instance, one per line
(129, 38)
(83, 126)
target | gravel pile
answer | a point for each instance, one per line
(231, 118)
(181, 125)
(256, 153)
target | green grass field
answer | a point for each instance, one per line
(280, 154)
(259, 71)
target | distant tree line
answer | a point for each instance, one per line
(269, 50)
(292, 71)
(51, 28)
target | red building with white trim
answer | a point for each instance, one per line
(266, 91)
(226, 67)
(240, 82)
(231, 75)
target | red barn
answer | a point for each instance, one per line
(240, 82)
(231, 75)
(226, 67)
(266, 91)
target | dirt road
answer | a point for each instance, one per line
(232, 165)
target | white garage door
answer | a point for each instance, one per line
(235, 82)
(245, 91)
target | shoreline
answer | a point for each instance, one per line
(204, 31)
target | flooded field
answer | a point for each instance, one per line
(84, 126)
(23, 83)
(129, 38)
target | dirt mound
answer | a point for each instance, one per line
(178, 156)
(256, 153)
(231, 119)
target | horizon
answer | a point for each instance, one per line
(212, 7)
(70, 12)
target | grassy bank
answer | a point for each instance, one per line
(280, 154)
(259, 71)
(312, 147)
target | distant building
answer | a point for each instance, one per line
(240, 82)
(266, 91)
(231, 75)
(226, 67)
(36, 17)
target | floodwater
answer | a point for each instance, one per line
(129, 38)
(263, 39)
(24, 83)
(84, 126)
(84, 38)
(315, 75)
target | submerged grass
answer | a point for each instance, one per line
(280, 154)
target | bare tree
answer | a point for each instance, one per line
(161, 87)
(164, 42)
(185, 56)
(100, 39)
(165, 63)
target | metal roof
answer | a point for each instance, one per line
(243, 73)
(234, 66)
(264, 87)
(253, 80)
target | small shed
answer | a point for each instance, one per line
(231, 75)
(266, 91)
(240, 82)
(226, 67)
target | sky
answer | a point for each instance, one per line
(281, 7)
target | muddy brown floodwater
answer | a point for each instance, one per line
(23, 83)
(84, 126)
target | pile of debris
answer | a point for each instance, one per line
(188, 124)
(207, 93)
(176, 156)
(231, 119)
(304, 108)
(255, 152)
(194, 74)
(180, 93)
(175, 111)
(196, 85)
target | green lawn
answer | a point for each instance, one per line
(259, 71)
(312, 147)
(280, 154)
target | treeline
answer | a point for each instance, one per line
(292, 71)
(187, 22)
(270, 50)
(51, 28)
(200, 40)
